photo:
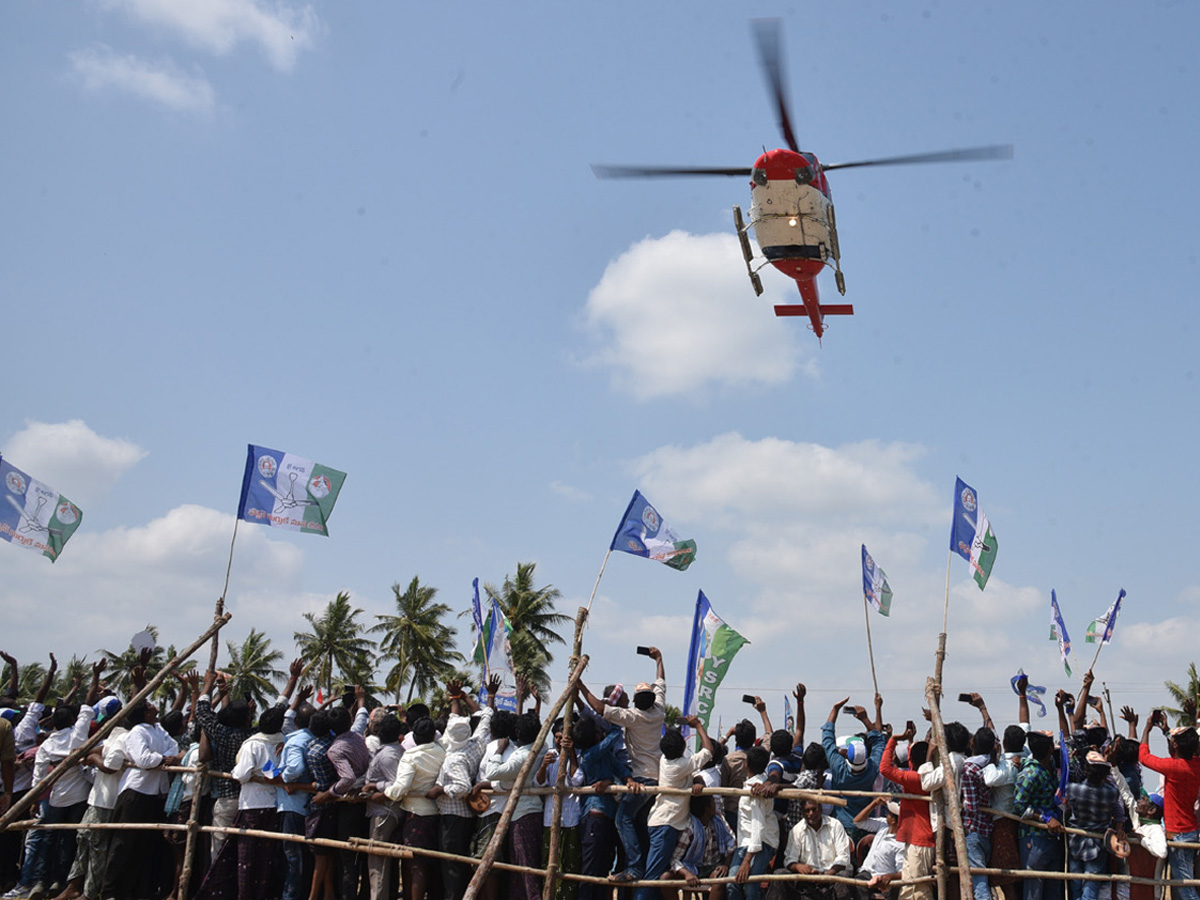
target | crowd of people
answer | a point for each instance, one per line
(328, 778)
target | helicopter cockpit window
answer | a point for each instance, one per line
(805, 175)
(759, 177)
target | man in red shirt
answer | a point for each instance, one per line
(1181, 784)
(914, 829)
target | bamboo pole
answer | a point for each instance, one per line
(493, 847)
(83, 749)
(949, 789)
(870, 649)
(560, 781)
(193, 830)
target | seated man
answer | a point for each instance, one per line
(885, 859)
(817, 845)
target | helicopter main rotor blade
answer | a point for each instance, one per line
(770, 54)
(969, 154)
(659, 171)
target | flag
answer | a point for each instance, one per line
(971, 535)
(789, 721)
(288, 491)
(477, 626)
(1103, 627)
(1064, 767)
(875, 584)
(494, 653)
(34, 515)
(1058, 631)
(271, 770)
(643, 533)
(1033, 692)
(320, 698)
(714, 644)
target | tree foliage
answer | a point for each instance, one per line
(1181, 693)
(421, 644)
(252, 668)
(336, 644)
(530, 611)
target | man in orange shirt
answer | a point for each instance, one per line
(1181, 774)
(914, 829)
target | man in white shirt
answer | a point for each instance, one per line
(669, 815)
(817, 845)
(643, 729)
(143, 791)
(757, 831)
(885, 860)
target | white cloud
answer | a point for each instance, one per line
(280, 30)
(108, 585)
(100, 69)
(676, 314)
(71, 458)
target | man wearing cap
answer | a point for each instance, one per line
(855, 767)
(643, 729)
(1181, 783)
(1093, 805)
(885, 860)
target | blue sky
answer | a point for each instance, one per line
(369, 235)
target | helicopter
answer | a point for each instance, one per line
(791, 207)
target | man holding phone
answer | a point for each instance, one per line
(1181, 783)
(643, 725)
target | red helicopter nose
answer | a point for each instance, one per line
(786, 165)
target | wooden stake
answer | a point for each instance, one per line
(81, 752)
(510, 807)
(193, 831)
(560, 780)
(949, 790)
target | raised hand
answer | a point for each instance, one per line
(1129, 715)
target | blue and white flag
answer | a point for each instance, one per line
(1102, 628)
(493, 652)
(875, 584)
(971, 535)
(642, 532)
(34, 515)
(1058, 631)
(1033, 692)
(789, 721)
(288, 491)
(714, 644)
(271, 770)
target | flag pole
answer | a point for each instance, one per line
(870, 650)
(1099, 645)
(220, 607)
(596, 586)
(941, 651)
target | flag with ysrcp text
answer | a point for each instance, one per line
(288, 491)
(34, 515)
(642, 532)
(714, 644)
(971, 535)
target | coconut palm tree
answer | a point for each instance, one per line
(1181, 694)
(251, 668)
(76, 670)
(531, 615)
(417, 639)
(335, 642)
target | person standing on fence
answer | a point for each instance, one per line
(669, 815)
(976, 795)
(1181, 783)
(757, 832)
(602, 765)
(914, 829)
(855, 767)
(643, 728)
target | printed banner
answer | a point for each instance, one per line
(875, 584)
(34, 515)
(971, 535)
(714, 644)
(287, 491)
(642, 532)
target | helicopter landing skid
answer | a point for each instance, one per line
(747, 253)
